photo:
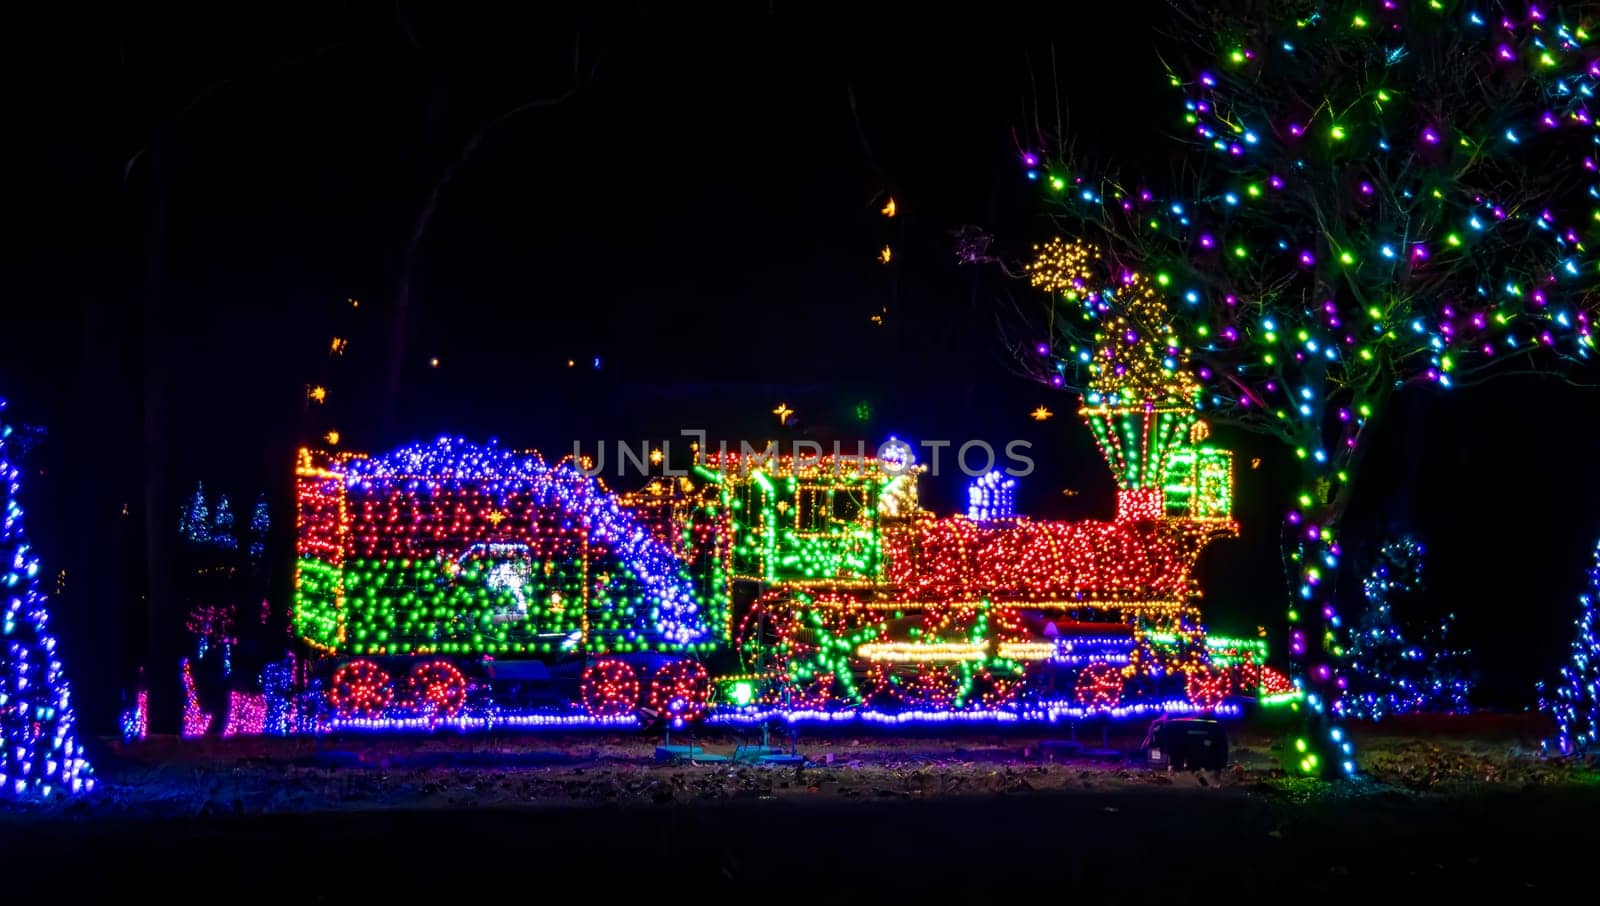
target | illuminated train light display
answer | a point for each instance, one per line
(452, 585)
(460, 586)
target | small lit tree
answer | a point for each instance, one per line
(222, 523)
(194, 521)
(260, 523)
(1574, 701)
(40, 756)
(1391, 668)
(1378, 196)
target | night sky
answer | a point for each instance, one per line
(198, 196)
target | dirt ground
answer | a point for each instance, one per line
(1446, 804)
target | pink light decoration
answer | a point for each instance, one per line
(195, 719)
(247, 714)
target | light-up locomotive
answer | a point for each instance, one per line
(868, 600)
(477, 586)
(471, 584)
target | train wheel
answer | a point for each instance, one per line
(938, 687)
(609, 688)
(1206, 687)
(1244, 679)
(439, 688)
(878, 688)
(360, 689)
(820, 691)
(998, 691)
(679, 692)
(764, 638)
(1099, 686)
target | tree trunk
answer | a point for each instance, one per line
(1311, 550)
(1321, 747)
(161, 652)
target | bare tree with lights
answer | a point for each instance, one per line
(1375, 197)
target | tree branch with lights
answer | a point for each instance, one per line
(1378, 196)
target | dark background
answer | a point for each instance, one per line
(195, 195)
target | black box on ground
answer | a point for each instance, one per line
(1187, 744)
